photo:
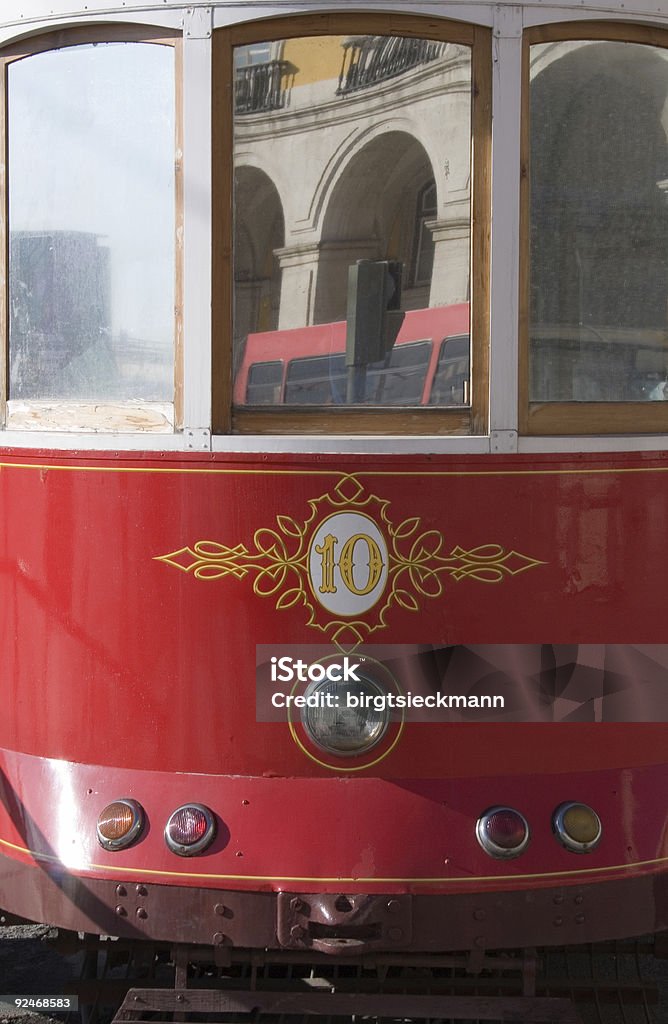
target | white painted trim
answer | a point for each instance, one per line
(504, 292)
(234, 13)
(197, 232)
(11, 31)
(20, 16)
(614, 443)
(395, 445)
(317, 445)
(61, 441)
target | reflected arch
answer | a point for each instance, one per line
(372, 214)
(599, 170)
(259, 231)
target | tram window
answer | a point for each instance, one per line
(316, 380)
(397, 380)
(92, 235)
(323, 179)
(451, 380)
(401, 381)
(598, 268)
(263, 386)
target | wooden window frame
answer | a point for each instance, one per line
(572, 418)
(227, 419)
(84, 410)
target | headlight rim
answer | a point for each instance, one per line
(562, 836)
(361, 751)
(491, 848)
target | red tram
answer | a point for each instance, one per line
(316, 642)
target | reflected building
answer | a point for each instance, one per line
(353, 148)
(60, 319)
(599, 221)
(349, 149)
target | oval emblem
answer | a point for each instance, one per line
(348, 563)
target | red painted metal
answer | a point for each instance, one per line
(121, 669)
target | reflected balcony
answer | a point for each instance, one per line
(260, 88)
(368, 60)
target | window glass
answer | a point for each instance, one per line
(599, 222)
(452, 373)
(263, 386)
(91, 223)
(351, 209)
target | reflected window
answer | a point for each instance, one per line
(331, 205)
(264, 383)
(92, 224)
(599, 222)
(423, 260)
(451, 380)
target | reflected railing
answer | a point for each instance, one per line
(260, 87)
(371, 59)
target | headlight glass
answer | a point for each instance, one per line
(190, 829)
(577, 827)
(119, 824)
(346, 718)
(503, 832)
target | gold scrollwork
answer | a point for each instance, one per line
(418, 561)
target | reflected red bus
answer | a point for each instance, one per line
(428, 365)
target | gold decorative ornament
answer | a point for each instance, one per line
(348, 559)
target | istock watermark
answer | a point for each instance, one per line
(403, 682)
(458, 683)
(288, 670)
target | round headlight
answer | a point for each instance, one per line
(119, 824)
(577, 827)
(190, 829)
(502, 832)
(346, 718)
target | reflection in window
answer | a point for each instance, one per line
(322, 186)
(264, 383)
(91, 223)
(424, 244)
(599, 222)
(451, 380)
(259, 78)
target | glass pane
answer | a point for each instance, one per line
(264, 383)
(91, 220)
(599, 222)
(452, 373)
(351, 216)
(315, 379)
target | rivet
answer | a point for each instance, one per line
(218, 939)
(479, 915)
(179, 997)
(121, 911)
(142, 913)
(219, 909)
(558, 900)
(579, 919)
(142, 890)
(480, 942)
(393, 906)
(578, 900)
(245, 803)
(121, 890)
(296, 932)
(558, 921)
